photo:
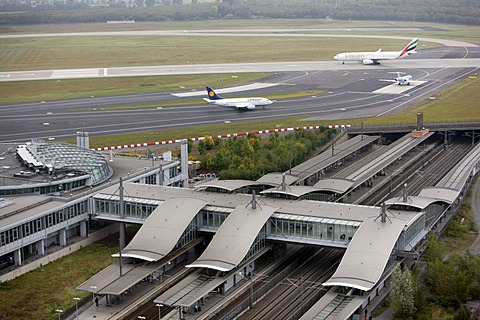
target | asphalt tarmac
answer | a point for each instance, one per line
(353, 90)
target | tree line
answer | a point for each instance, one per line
(438, 11)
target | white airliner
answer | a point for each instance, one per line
(239, 103)
(375, 57)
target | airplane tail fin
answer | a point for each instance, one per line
(212, 95)
(410, 48)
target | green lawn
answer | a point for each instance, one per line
(37, 294)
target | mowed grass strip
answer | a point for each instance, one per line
(50, 90)
(444, 31)
(458, 103)
(35, 295)
(48, 53)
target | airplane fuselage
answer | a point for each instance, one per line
(367, 57)
(241, 103)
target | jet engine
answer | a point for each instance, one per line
(251, 107)
(368, 61)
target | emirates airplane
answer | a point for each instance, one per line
(239, 103)
(376, 56)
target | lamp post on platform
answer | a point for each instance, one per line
(76, 306)
(59, 311)
(159, 305)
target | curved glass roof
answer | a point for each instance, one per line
(65, 157)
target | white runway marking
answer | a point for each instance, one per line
(246, 87)
(396, 89)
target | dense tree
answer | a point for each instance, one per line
(461, 12)
(252, 157)
(402, 296)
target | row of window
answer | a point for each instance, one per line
(46, 189)
(133, 210)
(42, 223)
(314, 230)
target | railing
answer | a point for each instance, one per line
(408, 126)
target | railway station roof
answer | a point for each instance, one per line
(318, 209)
(339, 186)
(368, 253)
(294, 191)
(445, 194)
(189, 290)
(325, 159)
(374, 163)
(228, 185)
(276, 179)
(455, 178)
(416, 202)
(104, 278)
(234, 237)
(162, 229)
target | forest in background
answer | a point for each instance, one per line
(464, 12)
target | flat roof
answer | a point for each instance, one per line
(368, 253)
(25, 207)
(311, 208)
(234, 237)
(104, 278)
(326, 158)
(444, 194)
(189, 290)
(128, 279)
(162, 229)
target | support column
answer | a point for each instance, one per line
(40, 247)
(184, 162)
(83, 229)
(17, 256)
(62, 237)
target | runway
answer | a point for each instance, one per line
(351, 93)
(353, 89)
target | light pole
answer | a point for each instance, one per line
(159, 305)
(59, 311)
(94, 302)
(76, 306)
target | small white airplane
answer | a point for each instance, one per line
(375, 57)
(401, 79)
(239, 103)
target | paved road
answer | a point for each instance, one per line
(232, 68)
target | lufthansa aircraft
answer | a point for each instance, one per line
(239, 103)
(375, 57)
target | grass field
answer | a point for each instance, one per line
(120, 51)
(37, 294)
(30, 91)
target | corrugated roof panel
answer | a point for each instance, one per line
(367, 254)
(162, 229)
(234, 238)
